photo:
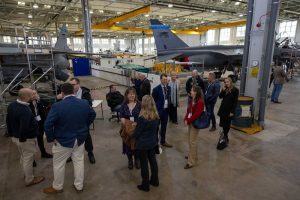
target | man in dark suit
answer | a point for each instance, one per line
(161, 95)
(67, 126)
(211, 97)
(84, 93)
(145, 87)
(39, 112)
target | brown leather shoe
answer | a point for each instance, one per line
(35, 180)
(167, 145)
(51, 190)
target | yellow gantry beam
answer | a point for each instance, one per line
(109, 23)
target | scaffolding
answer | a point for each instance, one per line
(19, 61)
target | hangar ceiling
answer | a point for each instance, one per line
(180, 14)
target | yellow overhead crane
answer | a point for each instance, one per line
(110, 24)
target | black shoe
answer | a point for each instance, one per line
(212, 129)
(137, 164)
(154, 183)
(143, 188)
(46, 155)
(34, 164)
(69, 160)
(92, 158)
(130, 164)
(277, 102)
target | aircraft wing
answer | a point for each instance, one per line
(168, 57)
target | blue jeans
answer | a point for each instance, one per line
(276, 92)
(210, 109)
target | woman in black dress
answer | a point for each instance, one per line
(130, 110)
(229, 96)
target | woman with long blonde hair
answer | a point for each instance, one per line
(146, 142)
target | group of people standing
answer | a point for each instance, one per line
(144, 118)
(66, 127)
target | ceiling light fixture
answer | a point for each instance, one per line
(101, 11)
(176, 19)
(20, 13)
(241, 15)
(91, 11)
(29, 23)
(76, 19)
(47, 6)
(213, 11)
(119, 13)
(160, 17)
(237, 3)
(147, 15)
(21, 3)
(30, 16)
(222, 1)
(35, 6)
(170, 5)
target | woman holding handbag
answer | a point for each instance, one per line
(145, 135)
(229, 96)
(129, 114)
(194, 110)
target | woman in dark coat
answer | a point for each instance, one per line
(130, 110)
(229, 96)
(145, 135)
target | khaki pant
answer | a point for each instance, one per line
(60, 156)
(27, 151)
(193, 145)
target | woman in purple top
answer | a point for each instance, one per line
(130, 110)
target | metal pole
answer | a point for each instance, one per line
(246, 47)
(267, 64)
(87, 26)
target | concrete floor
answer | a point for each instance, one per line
(261, 166)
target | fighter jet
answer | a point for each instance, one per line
(170, 46)
(13, 57)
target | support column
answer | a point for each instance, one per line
(261, 47)
(297, 36)
(87, 26)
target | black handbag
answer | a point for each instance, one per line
(202, 122)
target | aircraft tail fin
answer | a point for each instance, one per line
(164, 38)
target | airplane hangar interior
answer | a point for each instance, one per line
(150, 99)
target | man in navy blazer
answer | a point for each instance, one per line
(162, 95)
(67, 125)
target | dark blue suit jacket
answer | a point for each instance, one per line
(69, 120)
(159, 99)
(212, 92)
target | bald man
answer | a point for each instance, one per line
(194, 80)
(23, 128)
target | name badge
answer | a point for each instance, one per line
(38, 118)
(131, 119)
(166, 104)
(190, 115)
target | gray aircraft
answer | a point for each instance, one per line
(13, 58)
(170, 46)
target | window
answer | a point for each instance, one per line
(54, 40)
(104, 41)
(7, 39)
(68, 41)
(210, 36)
(35, 40)
(140, 41)
(146, 41)
(240, 31)
(152, 40)
(96, 41)
(77, 41)
(122, 42)
(112, 41)
(287, 29)
(225, 34)
(96, 50)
